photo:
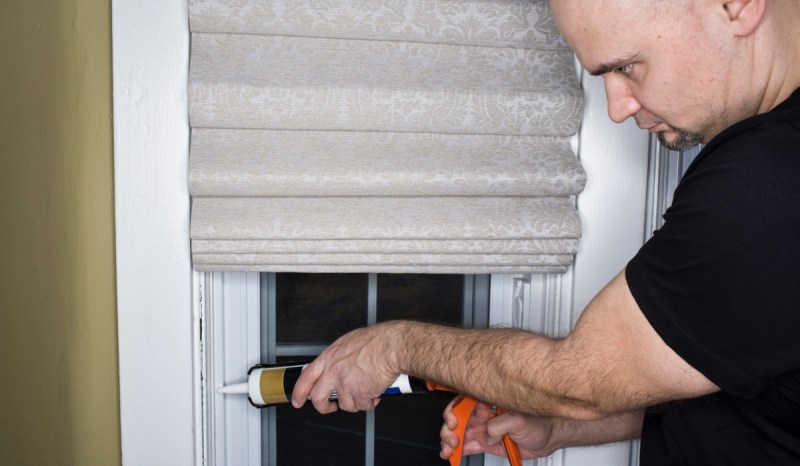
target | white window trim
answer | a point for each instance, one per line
(156, 287)
(233, 429)
(154, 274)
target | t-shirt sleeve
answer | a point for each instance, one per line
(720, 281)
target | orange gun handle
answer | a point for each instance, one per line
(512, 450)
(463, 410)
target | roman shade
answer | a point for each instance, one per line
(425, 136)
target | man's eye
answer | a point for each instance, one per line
(625, 69)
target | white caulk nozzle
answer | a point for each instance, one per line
(236, 389)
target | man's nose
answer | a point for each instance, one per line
(621, 102)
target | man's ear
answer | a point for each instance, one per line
(744, 15)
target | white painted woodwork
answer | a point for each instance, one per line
(154, 274)
(160, 407)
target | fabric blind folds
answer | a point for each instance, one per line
(382, 136)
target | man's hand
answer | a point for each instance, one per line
(358, 367)
(484, 433)
(536, 436)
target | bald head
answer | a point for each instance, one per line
(575, 14)
(655, 6)
(686, 66)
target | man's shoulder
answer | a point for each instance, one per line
(775, 134)
(769, 147)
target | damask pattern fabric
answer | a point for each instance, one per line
(382, 136)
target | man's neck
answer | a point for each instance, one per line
(784, 77)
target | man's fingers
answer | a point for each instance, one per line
(323, 404)
(448, 437)
(316, 388)
(304, 384)
(450, 419)
(445, 451)
(347, 403)
(496, 428)
(369, 405)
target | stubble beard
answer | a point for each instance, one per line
(684, 140)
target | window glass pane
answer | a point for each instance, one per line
(407, 428)
(307, 437)
(430, 298)
(318, 308)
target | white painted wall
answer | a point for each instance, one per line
(154, 276)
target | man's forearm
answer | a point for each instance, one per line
(613, 361)
(611, 429)
(512, 368)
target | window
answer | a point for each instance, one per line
(296, 316)
(157, 289)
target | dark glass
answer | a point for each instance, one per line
(428, 298)
(306, 437)
(316, 309)
(407, 429)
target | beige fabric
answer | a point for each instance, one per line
(382, 136)
(494, 23)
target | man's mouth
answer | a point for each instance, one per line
(656, 128)
(648, 124)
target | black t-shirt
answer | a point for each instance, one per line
(720, 283)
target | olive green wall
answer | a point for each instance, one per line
(58, 345)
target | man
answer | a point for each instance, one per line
(694, 345)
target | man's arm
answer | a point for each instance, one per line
(612, 362)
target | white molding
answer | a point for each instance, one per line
(233, 431)
(201, 286)
(538, 302)
(154, 274)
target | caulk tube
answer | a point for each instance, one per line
(269, 385)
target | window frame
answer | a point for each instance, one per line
(235, 336)
(158, 298)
